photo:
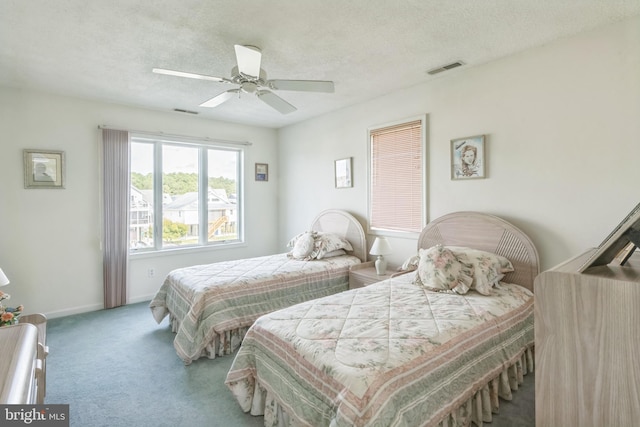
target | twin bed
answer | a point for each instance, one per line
(211, 306)
(395, 353)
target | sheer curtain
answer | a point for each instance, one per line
(115, 205)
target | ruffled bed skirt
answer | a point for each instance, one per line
(218, 344)
(477, 409)
(485, 402)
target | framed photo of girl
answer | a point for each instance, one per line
(467, 158)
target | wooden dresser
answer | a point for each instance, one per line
(587, 334)
(19, 364)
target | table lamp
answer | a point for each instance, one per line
(380, 248)
(4, 280)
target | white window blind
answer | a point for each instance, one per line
(396, 178)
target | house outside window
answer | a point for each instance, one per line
(397, 178)
(183, 194)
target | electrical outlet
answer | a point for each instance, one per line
(151, 272)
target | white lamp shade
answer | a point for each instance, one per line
(4, 280)
(381, 246)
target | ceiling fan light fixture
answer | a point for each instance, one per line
(249, 87)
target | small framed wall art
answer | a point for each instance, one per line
(344, 178)
(467, 157)
(44, 169)
(262, 172)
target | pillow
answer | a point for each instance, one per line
(303, 244)
(294, 239)
(328, 242)
(335, 253)
(488, 268)
(440, 270)
(410, 264)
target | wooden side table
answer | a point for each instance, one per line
(364, 274)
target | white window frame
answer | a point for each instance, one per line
(381, 231)
(203, 147)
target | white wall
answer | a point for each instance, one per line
(50, 239)
(563, 141)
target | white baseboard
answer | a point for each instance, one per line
(141, 299)
(91, 307)
(74, 310)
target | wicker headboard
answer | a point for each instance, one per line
(488, 233)
(343, 224)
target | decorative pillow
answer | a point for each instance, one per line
(335, 253)
(440, 270)
(328, 242)
(488, 268)
(294, 239)
(303, 244)
(410, 264)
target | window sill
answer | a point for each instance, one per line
(186, 250)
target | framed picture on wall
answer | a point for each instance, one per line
(43, 169)
(344, 178)
(468, 158)
(262, 172)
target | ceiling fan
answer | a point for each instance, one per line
(253, 79)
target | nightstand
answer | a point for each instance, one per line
(364, 274)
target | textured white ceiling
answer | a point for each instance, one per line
(105, 49)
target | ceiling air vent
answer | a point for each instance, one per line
(180, 110)
(445, 67)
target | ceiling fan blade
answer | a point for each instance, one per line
(190, 75)
(248, 58)
(302, 85)
(275, 101)
(219, 99)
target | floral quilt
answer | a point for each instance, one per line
(392, 353)
(206, 301)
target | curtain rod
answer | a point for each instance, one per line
(169, 135)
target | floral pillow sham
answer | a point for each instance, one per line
(311, 245)
(303, 244)
(488, 268)
(439, 269)
(458, 269)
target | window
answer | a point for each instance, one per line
(183, 194)
(397, 177)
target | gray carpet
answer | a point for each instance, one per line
(119, 368)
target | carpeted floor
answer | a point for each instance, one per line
(119, 368)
